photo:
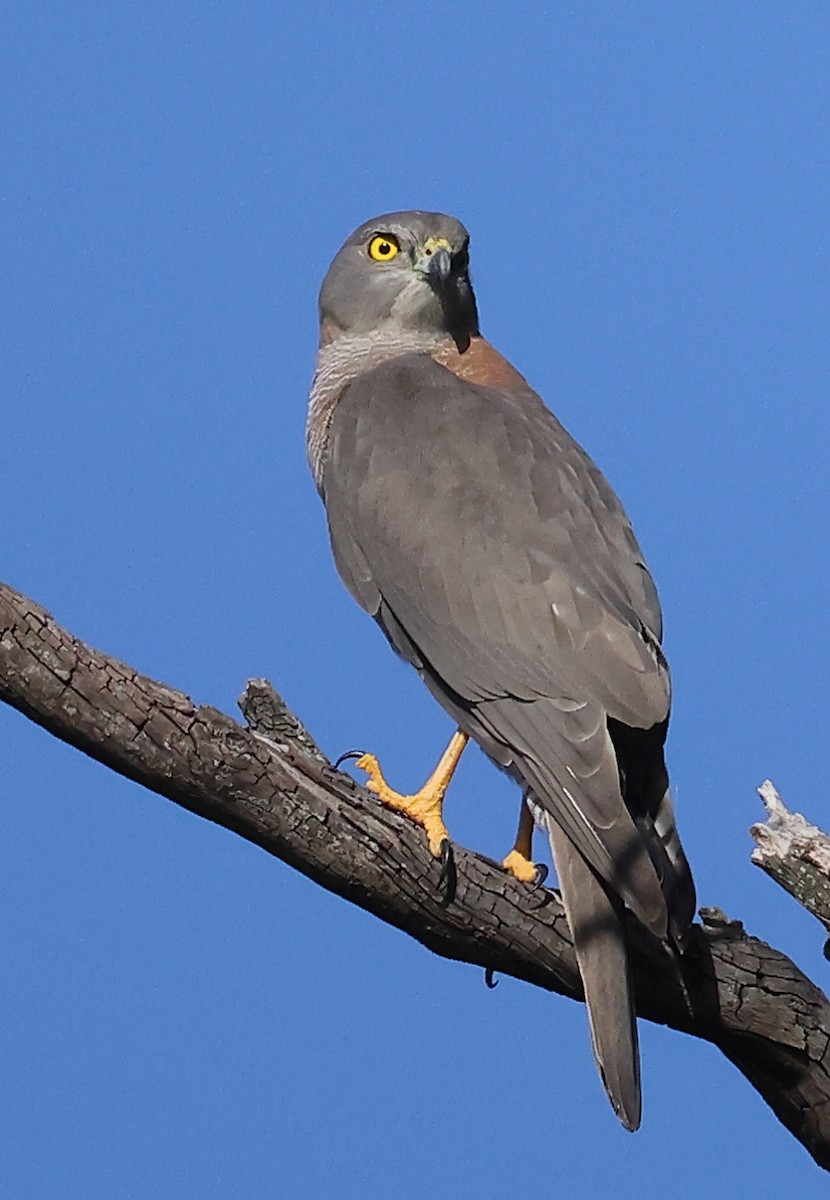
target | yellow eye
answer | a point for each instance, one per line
(383, 247)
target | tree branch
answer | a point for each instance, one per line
(730, 989)
(795, 854)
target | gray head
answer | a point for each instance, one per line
(408, 271)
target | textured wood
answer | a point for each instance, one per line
(795, 854)
(731, 989)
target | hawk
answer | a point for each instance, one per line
(499, 562)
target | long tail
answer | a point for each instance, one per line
(663, 844)
(594, 918)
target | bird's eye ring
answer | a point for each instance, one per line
(383, 247)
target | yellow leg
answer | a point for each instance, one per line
(519, 861)
(425, 807)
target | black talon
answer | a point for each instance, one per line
(448, 878)
(350, 754)
(489, 981)
(541, 875)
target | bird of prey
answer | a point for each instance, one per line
(498, 561)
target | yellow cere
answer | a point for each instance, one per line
(383, 247)
(436, 243)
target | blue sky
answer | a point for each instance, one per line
(647, 190)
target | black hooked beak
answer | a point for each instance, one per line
(439, 266)
(447, 275)
(434, 261)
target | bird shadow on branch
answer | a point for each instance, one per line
(270, 783)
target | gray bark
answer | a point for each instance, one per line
(730, 989)
(795, 854)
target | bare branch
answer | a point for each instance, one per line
(795, 854)
(281, 794)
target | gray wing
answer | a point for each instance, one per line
(500, 563)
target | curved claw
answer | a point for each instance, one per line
(448, 879)
(350, 754)
(541, 875)
(489, 981)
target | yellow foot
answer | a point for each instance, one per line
(424, 808)
(519, 862)
(524, 869)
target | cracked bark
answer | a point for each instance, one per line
(795, 854)
(274, 787)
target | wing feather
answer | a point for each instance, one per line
(500, 562)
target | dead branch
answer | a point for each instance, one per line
(731, 989)
(795, 854)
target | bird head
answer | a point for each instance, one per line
(401, 272)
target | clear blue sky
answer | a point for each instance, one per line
(647, 189)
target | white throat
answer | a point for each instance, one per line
(338, 363)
